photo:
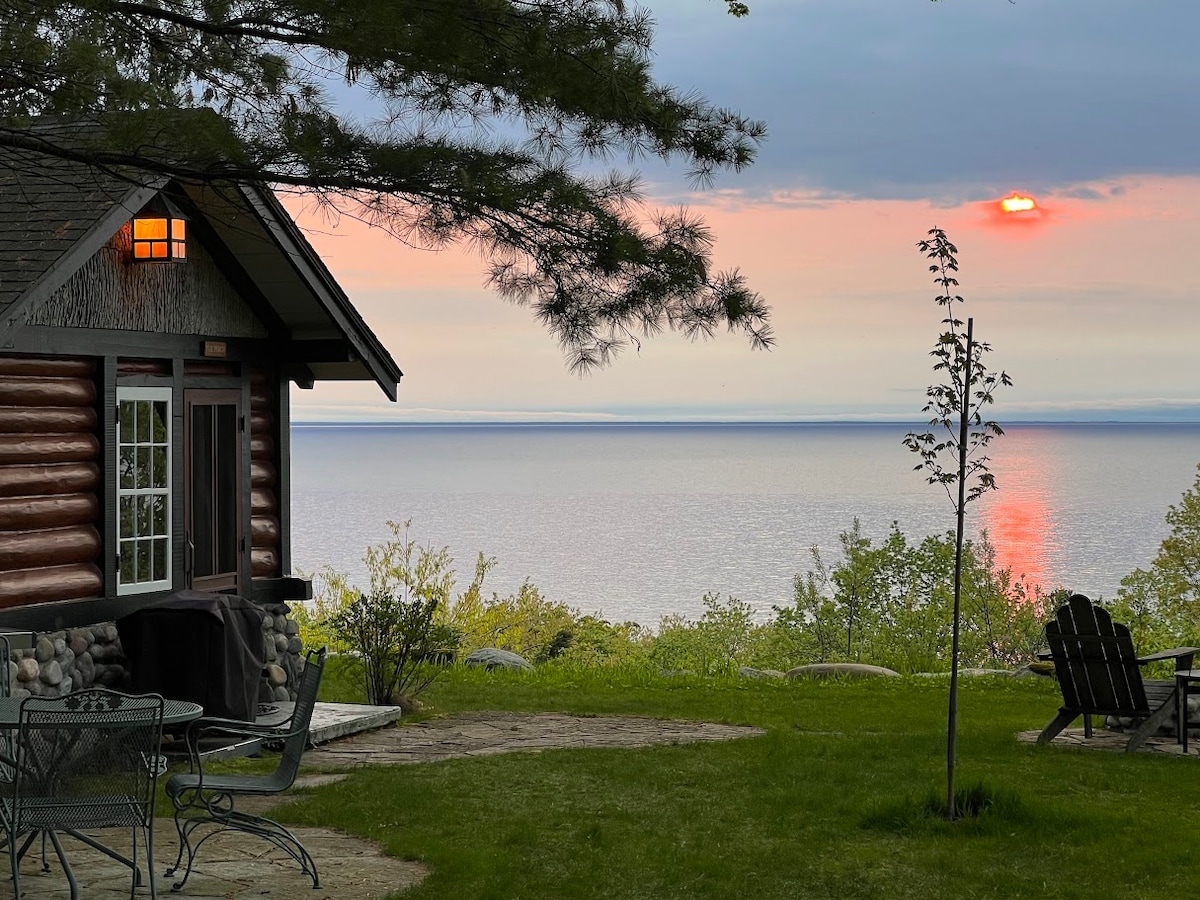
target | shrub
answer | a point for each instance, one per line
(1159, 603)
(393, 629)
(400, 647)
(714, 645)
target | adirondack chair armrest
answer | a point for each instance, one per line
(1182, 656)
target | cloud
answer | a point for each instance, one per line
(954, 102)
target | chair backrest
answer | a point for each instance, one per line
(1094, 661)
(87, 759)
(5, 678)
(296, 741)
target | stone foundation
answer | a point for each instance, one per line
(282, 648)
(65, 661)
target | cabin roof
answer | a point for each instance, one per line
(55, 214)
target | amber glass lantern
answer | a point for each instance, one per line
(160, 232)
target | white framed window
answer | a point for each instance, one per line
(143, 489)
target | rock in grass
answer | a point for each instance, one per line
(843, 670)
(494, 658)
(748, 672)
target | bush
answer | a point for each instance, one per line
(1159, 604)
(888, 605)
(393, 630)
(400, 646)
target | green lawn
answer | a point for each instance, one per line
(825, 805)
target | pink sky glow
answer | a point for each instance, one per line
(1091, 307)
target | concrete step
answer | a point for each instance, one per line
(329, 722)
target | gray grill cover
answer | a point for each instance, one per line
(198, 646)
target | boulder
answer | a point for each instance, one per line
(495, 658)
(840, 670)
(748, 672)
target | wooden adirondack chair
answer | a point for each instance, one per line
(1100, 674)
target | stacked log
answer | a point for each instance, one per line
(264, 480)
(49, 481)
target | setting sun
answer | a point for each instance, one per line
(1017, 203)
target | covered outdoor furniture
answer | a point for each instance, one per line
(198, 646)
(205, 799)
(1100, 674)
(86, 760)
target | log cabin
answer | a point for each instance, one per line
(150, 331)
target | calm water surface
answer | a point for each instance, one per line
(639, 521)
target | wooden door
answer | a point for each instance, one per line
(214, 486)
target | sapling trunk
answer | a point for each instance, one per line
(952, 716)
(967, 390)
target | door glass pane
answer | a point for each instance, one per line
(126, 467)
(225, 488)
(145, 516)
(160, 515)
(142, 475)
(142, 418)
(202, 494)
(215, 483)
(158, 423)
(126, 519)
(126, 562)
(159, 466)
(143, 561)
(126, 414)
(160, 559)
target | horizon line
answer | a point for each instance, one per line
(635, 422)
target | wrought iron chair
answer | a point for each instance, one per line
(87, 760)
(6, 753)
(207, 799)
(5, 680)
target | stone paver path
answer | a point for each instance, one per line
(1115, 741)
(231, 867)
(487, 733)
(237, 867)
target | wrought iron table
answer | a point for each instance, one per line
(175, 712)
(1185, 684)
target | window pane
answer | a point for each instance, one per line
(143, 561)
(126, 522)
(126, 574)
(160, 559)
(125, 468)
(143, 477)
(158, 422)
(159, 507)
(160, 466)
(126, 414)
(225, 488)
(143, 422)
(145, 516)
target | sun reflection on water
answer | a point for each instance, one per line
(1018, 517)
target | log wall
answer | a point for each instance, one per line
(49, 481)
(265, 547)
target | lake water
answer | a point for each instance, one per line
(639, 521)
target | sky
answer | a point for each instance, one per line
(886, 118)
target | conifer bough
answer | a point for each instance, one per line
(440, 121)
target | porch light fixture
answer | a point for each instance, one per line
(160, 232)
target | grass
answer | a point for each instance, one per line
(837, 799)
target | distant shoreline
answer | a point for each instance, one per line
(739, 423)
